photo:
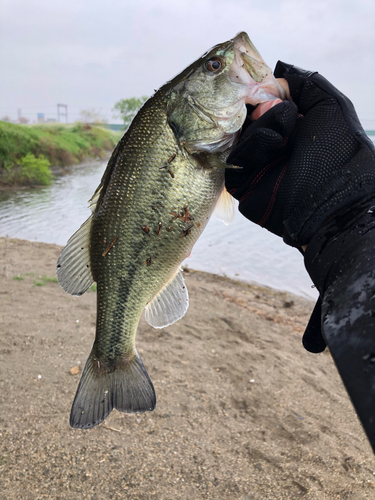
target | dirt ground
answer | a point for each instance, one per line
(243, 412)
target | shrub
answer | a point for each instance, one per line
(36, 170)
(25, 149)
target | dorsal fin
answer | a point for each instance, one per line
(105, 180)
(93, 201)
(170, 304)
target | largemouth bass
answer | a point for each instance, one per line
(156, 196)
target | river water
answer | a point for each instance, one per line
(242, 250)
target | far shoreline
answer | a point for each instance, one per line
(32, 154)
(57, 171)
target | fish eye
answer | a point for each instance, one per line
(214, 64)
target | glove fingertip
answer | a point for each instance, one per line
(314, 344)
(283, 70)
(312, 339)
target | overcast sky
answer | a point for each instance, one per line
(88, 54)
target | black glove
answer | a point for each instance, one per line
(302, 162)
(298, 171)
(263, 151)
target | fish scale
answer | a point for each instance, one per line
(123, 271)
(156, 196)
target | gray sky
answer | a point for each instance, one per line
(89, 54)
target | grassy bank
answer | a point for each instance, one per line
(27, 152)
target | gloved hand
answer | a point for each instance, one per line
(302, 161)
(263, 151)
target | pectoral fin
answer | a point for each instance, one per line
(73, 266)
(224, 209)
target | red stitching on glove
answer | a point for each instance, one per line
(284, 142)
(259, 177)
(267, 213)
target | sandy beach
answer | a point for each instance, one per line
(243, 411)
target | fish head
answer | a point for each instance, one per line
(207, 101)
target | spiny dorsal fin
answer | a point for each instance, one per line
(170, 304)
(106, 178)
(73, 266)
(224, 209)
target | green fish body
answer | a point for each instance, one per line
(157, 194)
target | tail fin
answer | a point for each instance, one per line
(127, 387)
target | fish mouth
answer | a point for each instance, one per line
(249, 68)
(252, 60)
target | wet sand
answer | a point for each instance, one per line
(243, 412)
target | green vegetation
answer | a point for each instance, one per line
(44, 280)
(128, 108)
(36, 170)
(40, 281)
(28, 151)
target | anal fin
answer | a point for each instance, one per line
(170, 304)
